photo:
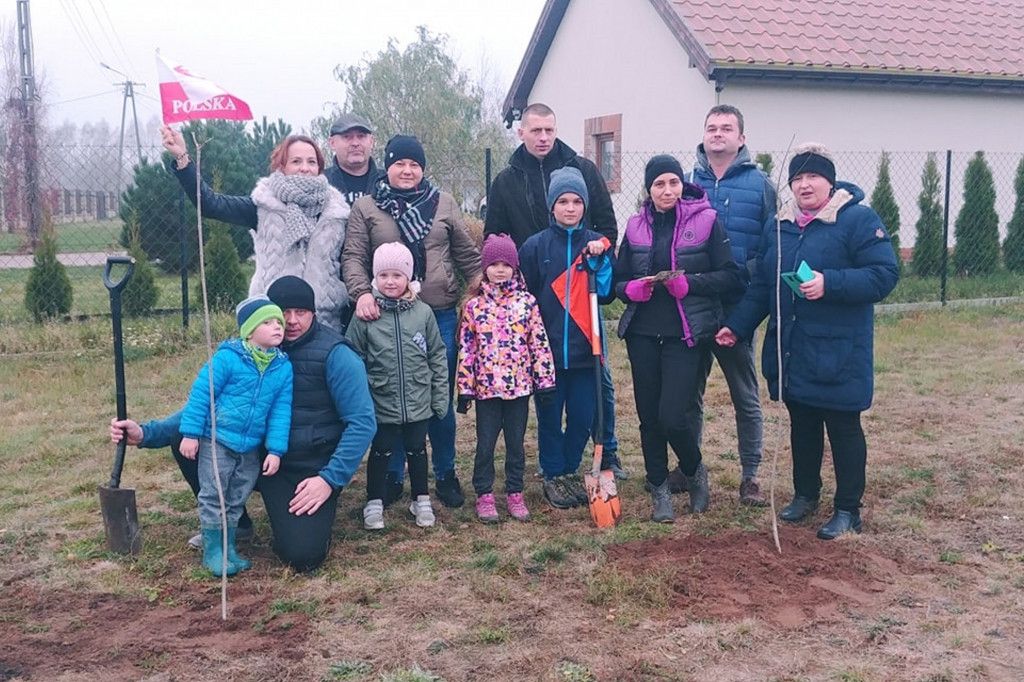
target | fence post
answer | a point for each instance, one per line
(184, 258)
(945, 232)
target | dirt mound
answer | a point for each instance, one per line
(44, 634)
(739, 574)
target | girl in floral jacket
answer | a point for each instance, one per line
(504, 357)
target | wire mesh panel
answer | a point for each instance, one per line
(95, 201)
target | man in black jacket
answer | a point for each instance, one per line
(354, 171)
(517, 206)
(516, 203)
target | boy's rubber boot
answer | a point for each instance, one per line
(233, 557)
(213, 552)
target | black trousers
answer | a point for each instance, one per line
(302, 542)
(849, 452)
(493, 417)
(413, 437)
(667, 378)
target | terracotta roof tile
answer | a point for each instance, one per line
(913, 36)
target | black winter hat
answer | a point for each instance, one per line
(292, 292)
(404, 147)
(658, 165)
(809, 162)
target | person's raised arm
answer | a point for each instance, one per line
(237, 210)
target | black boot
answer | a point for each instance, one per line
(799, 509)
(700, 490)
(842, 521)
(662, 501)
(678, 482)
(449, 490)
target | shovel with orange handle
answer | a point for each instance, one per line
(605, 507)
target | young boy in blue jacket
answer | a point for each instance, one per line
(252, 391)
(552, 265)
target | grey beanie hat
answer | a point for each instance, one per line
(567, 179)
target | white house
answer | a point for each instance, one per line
(628, 78)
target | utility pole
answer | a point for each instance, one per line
(128, 86)
(28, 113)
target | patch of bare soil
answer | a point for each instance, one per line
(734, 575)
(44, 635)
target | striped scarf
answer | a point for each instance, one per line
(413, 211)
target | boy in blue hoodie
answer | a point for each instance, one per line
(552, 265)
(252, 391)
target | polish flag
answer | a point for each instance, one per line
(187, 96)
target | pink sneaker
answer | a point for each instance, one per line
(485, 509)
(517, 507)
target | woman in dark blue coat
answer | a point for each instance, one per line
(827, 328)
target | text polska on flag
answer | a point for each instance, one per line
(187, 96)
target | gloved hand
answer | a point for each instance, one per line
(545, 397)
(639, 291)
(462, 407)
(678, 286)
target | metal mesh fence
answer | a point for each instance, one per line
(84, 194)
(967, 260)
(89, 202)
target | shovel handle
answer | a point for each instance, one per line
(115, 473)
(118, 260)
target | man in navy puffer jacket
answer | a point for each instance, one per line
(745, 199)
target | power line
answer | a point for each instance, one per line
(78, 99)
(124, 52)
(76, 25)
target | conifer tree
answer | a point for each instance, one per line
(977, 224)
(884, 203)
(928, 247)
(226, 284)
(1013, 247)
(48, 292)
(141, 293)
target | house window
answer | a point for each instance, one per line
(606, 156)
(602, 143)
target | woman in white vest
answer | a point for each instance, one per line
(297, 220)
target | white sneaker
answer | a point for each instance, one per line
(196, 541)
(373, 515)
(423, 511)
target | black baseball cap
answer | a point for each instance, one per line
(347, 122)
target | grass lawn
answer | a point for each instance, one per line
(933, 590)
(94, 235)
(91, 297)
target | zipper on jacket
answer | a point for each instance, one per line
(253, 402)
(568, 280)
(401, 368)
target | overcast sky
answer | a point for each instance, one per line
(278, 55)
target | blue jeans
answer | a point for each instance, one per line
(238, 474)
(561, 451)
(740, 370)
(441, 431)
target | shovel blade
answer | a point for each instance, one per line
(605, 507)
(121, 520)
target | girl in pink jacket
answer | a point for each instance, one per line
(504, 357)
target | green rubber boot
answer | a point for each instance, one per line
(233, 557)
(213, 552)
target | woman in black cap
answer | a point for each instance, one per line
(675, 264)
(297, 219)
(826, 315)
(406, 207)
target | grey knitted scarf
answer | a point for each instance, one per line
(303, 198)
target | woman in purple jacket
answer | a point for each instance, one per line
(674, 266)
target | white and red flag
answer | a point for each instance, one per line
(187, 96)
